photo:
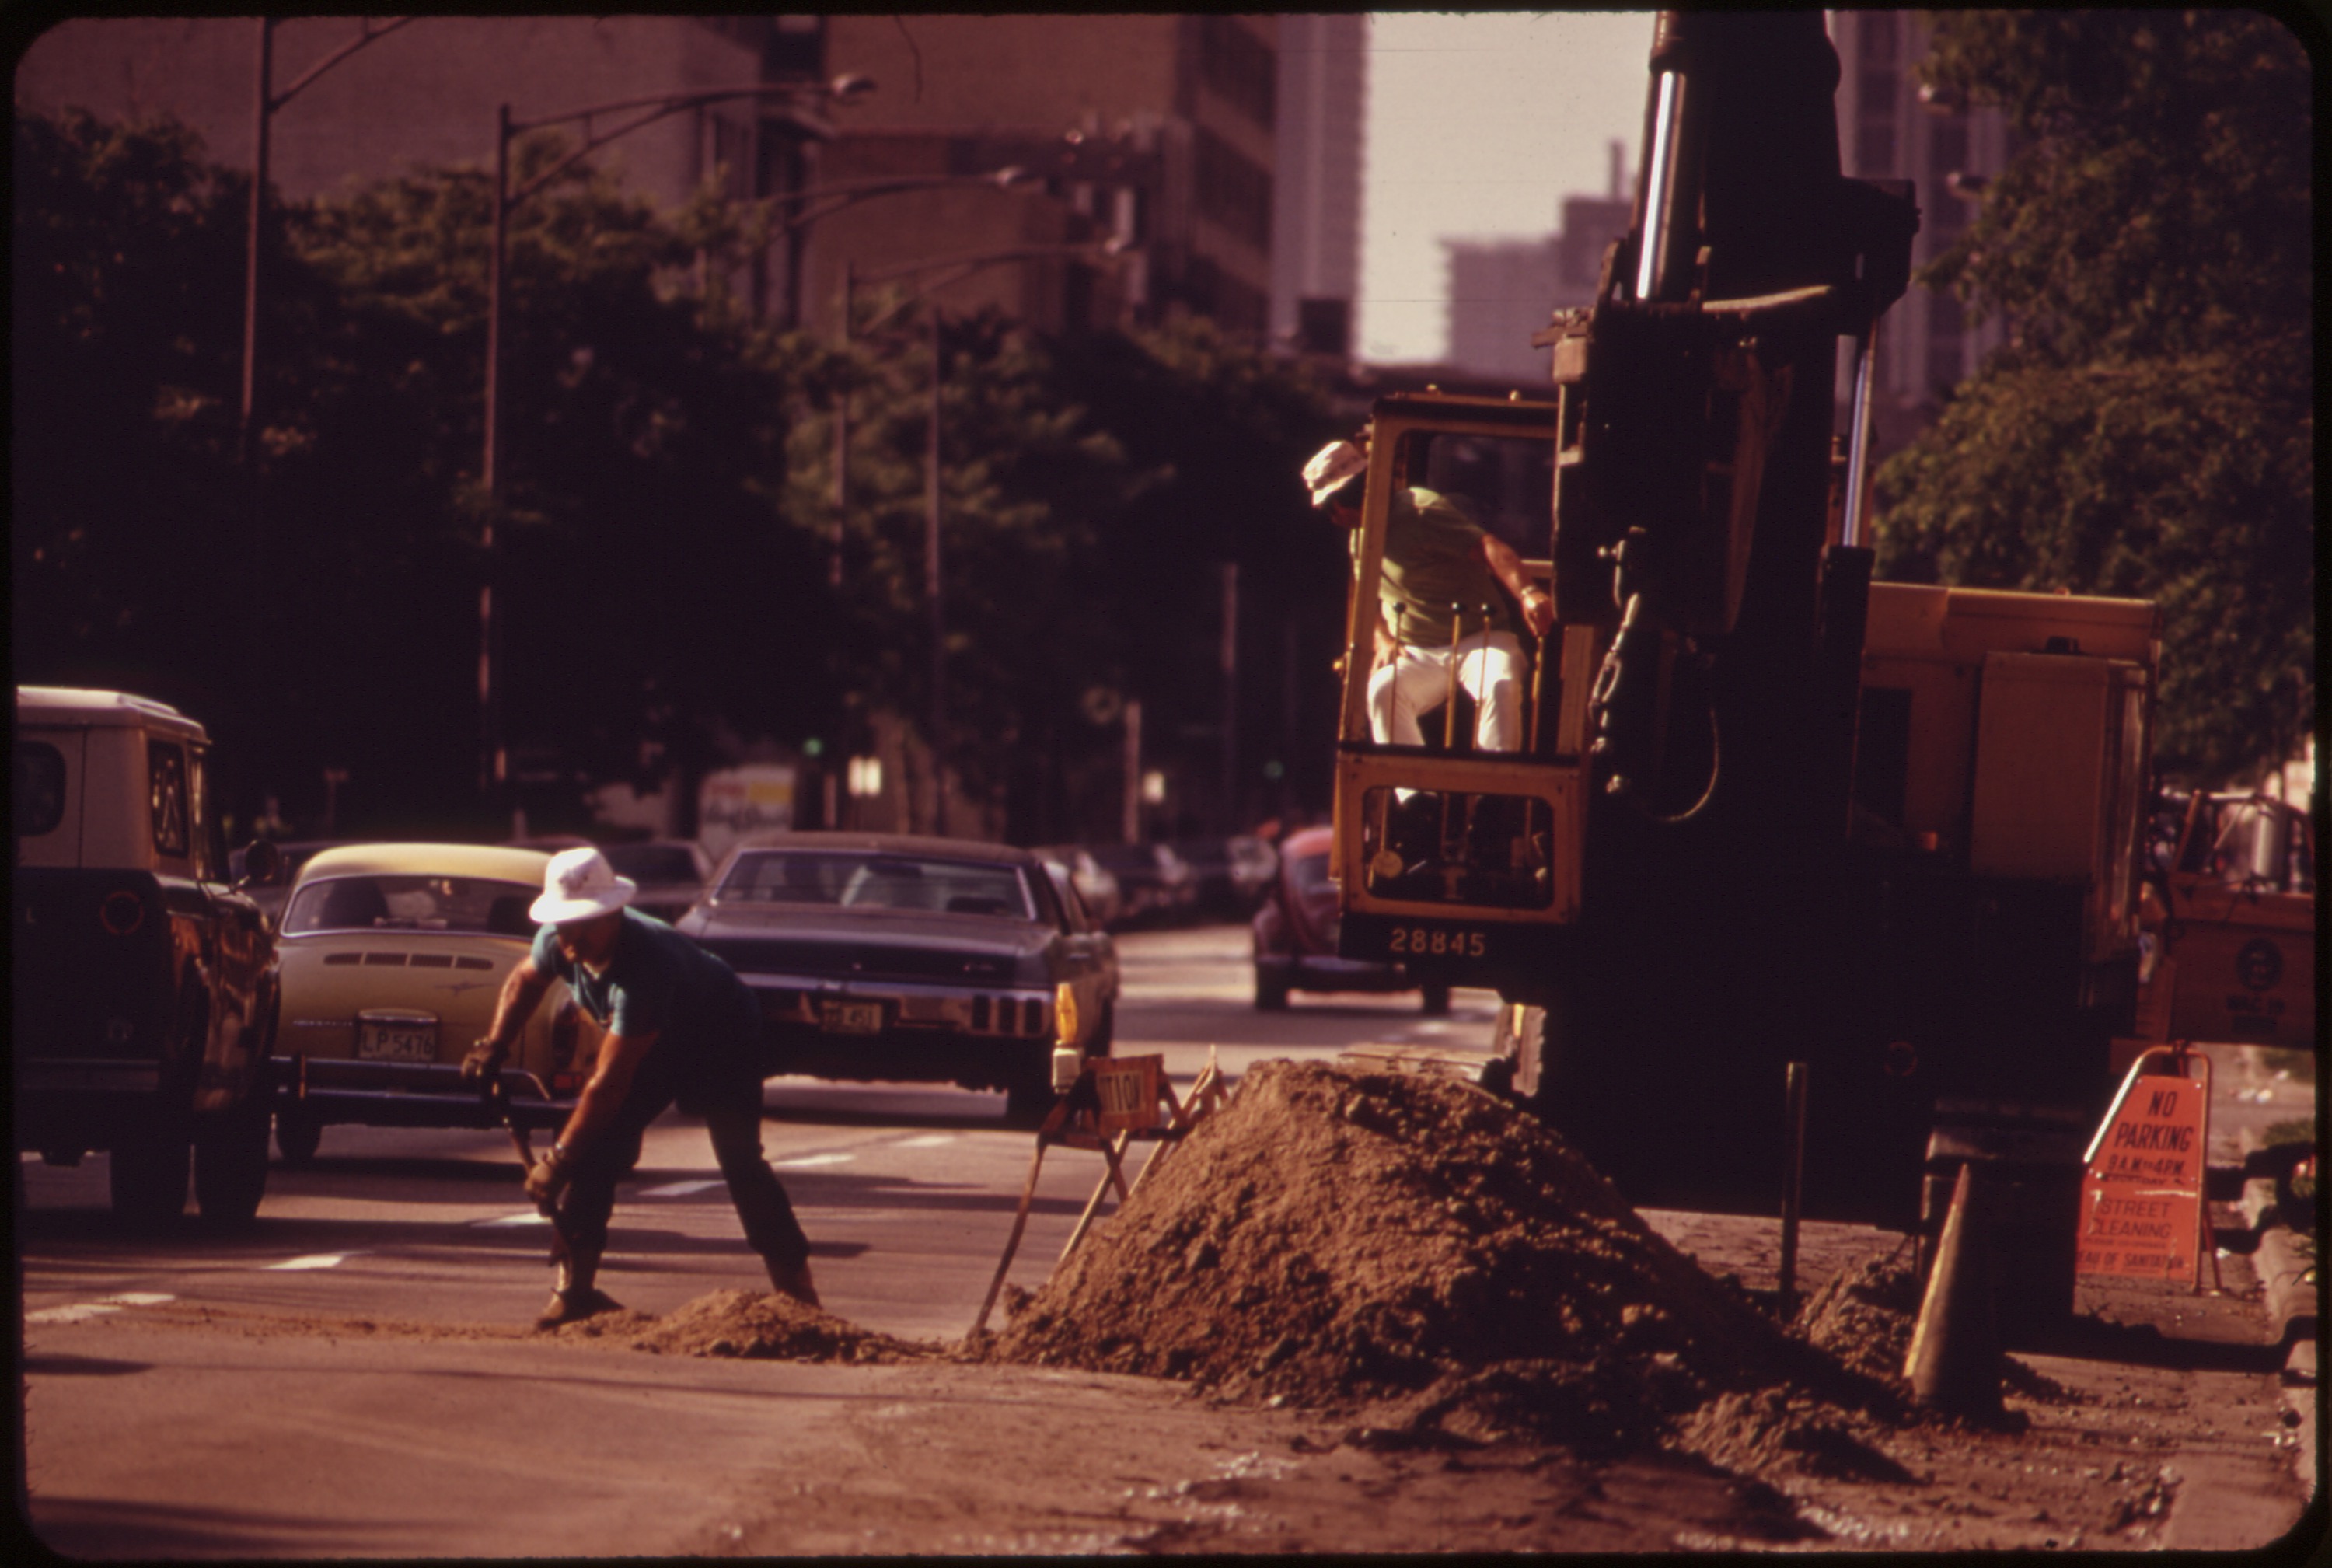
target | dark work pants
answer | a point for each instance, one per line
(731, 1109)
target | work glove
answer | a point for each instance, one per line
(484, 1061)
(548, 1177)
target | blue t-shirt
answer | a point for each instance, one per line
(659, 982)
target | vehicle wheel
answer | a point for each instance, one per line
(1437, 1001)
(297, 1137)
(1270, 991)
(147, 1175)
(231, 1163)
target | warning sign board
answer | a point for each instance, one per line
(2141, 1212)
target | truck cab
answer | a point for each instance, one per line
(144, 980)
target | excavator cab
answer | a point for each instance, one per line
(1456, 793)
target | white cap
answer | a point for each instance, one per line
(1331, 467)
(578, 884)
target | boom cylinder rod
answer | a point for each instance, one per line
(1858, 449)
(1657, 180)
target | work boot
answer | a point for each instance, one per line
(793, 1279)
(573, 1296)
(567, 1306)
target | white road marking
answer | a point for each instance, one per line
(529, 1218)
(314, 1260)
(81, 1311)
(680, 1189)
(925, 1141)
(813, 1159)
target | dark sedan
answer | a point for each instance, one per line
(889, 957)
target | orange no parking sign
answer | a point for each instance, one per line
(2142, 1191)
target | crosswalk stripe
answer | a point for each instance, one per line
(81, 1311)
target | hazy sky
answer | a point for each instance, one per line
(1479, 125)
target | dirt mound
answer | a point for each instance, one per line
(747, 1323)
(1419, 1253)
(1864, 1317)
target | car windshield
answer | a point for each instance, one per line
(866, 879)
(435, 903)
(1308, 872)
(653, 862)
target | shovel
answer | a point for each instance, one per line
(498, 1097)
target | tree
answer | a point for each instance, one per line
(652, 592)
(2148, 429)
(1026, 480)
(128, 517)
(1224, 428)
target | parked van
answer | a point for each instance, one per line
(144, 982)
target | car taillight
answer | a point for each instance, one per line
(122, 913)
(565, 1030)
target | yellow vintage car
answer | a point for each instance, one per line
(394, 957)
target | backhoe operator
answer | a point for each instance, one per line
(1441, 569)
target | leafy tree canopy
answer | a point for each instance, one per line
(2148, 429)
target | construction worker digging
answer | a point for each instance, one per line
(682, 1030)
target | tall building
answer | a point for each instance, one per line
(1887, 131)
(1156, 132)
(1501, 292)
(1323, 125)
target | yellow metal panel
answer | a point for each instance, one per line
(2041, 796)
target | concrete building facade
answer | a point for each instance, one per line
(1156, 132)
(1322, 128)
(1501, 292)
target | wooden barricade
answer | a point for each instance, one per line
(1114, 1100)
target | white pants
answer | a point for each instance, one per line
(1490, 668)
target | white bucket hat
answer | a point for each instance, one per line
(1333, 466)
(578, 884)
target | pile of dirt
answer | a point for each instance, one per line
(1864, 1317)
(1421, 1254)
(754, 1325)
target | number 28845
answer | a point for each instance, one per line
(1420, 942)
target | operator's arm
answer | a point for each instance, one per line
(1537, 604)
(522, 992)
(594, 1107)
(610, 1081)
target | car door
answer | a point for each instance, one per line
(1088, 957)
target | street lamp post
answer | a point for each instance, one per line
(265, 102)
(494, 758)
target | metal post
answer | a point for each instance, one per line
(934, 583)
(1793, 1186)
(841, 442)
(261, 111)
(1230, 695)
(492, 766)
(1132, 818)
